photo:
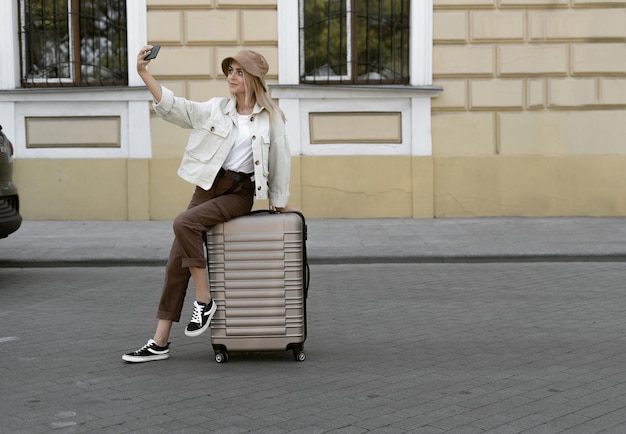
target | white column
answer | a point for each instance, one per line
(9, 54)
(291, 108)
(288, 42)
(421, 140)
(138, 131)
(421, 62)
(139, 137)
(7, 117)
(137, 34)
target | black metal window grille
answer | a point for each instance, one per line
(354, 41)
(73, 43)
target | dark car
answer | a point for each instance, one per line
(10, 218)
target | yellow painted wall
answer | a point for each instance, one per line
(530, 186)
(75, 189)
(340, 187)
(118, 189)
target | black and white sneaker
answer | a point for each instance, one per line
(201, 318)
(149, 352)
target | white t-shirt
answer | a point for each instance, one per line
(240, 158)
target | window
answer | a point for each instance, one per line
(354, 41)
(73, 43)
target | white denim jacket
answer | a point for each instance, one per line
(214, 125)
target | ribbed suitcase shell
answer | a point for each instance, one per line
(258, 278)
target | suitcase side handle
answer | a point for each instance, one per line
(305, 235)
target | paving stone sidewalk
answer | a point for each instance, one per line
(56, 243)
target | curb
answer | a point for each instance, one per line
(332, 260)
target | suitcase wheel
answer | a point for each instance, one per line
(221, 357)
(300, 356)
(298, 353)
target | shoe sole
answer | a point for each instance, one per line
(206, 326)
(141, 359)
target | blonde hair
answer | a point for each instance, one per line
(255, 92)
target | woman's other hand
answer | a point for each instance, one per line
(287, 209)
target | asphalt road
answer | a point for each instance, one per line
(433, 348)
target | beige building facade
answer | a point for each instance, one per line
(531, 120)
(514, 108)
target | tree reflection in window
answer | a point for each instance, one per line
(354, 41)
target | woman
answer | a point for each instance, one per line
(237, 150)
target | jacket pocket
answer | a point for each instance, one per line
(265, 149)
(216, 129)
(204, 143)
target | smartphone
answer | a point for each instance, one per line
(153, 53)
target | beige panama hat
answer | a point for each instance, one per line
(251, 61)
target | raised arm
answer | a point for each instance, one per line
(142, 69)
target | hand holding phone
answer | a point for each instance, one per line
(153, 52)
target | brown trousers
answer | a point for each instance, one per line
(206, 209)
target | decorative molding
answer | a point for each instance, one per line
(72, 132)
(355, 127)
(130, 105)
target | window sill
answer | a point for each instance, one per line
(86, 93)
(317, 91)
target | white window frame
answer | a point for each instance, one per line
(413, 101)
(420, 43)
(130, 103)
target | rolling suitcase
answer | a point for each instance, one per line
(259, 279)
